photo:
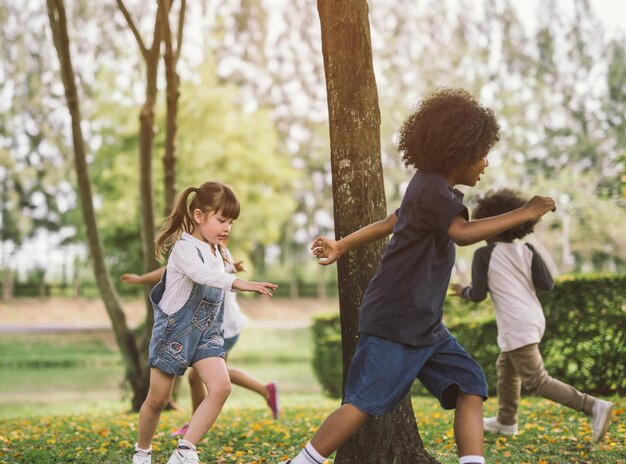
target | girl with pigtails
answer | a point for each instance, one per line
(188, 313)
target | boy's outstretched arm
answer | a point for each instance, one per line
(329, 251)
(464, 232)
(152, 277)
(477, 291)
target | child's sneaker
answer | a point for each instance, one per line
(600, 419)
(272, 401)
(142, 456)
(184, 454)
(181, 431)
(491, 424)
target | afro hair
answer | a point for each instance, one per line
(448, 130)
(501, 202)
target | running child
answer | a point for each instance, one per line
(234, 322)
(511, 271)
(188, 311)
(447, 139)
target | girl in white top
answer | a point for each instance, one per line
(234, 322)
(188, 306)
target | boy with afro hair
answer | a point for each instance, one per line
(402, 337)
(511, 271)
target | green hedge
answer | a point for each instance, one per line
(327, 356)
(584, 344)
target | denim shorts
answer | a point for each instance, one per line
(382, 372)
(190, 334)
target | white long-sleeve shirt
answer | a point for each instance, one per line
(192, 260)
(234, 318)
(511, 272)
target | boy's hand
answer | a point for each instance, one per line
(326, 250)
(262, 288)
(131, 279)
(457, 289)
(538, 206)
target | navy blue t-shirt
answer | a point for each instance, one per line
(404, 299)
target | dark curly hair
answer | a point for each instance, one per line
(500, 202)
(448, 130)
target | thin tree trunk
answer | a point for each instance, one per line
(7, 272)
(124, 336)
(172, 94)
(359, 199)
(7, 283)
(146, 139)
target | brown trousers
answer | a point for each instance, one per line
(524, 366)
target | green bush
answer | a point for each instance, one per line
(585, 338)
(327, 356)
(584, 344)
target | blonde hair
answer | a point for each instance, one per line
(209, 197)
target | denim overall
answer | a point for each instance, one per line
(190, 334)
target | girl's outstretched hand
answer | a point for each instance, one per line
(457, 289)
(262, 288)
(131, 279)
(239, 266)
(326, 250)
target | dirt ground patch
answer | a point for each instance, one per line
(91, 313)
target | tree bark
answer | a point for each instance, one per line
(146, 139)
(359, 199)
(172, 79)
(7, 283)
(133, 361)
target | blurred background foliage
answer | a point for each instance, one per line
(253, 114)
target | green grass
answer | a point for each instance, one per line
(54, 350)
(42, 374)
(98, 348)
(28, 392)
(280, 345)
(72, 409)
(549, 434)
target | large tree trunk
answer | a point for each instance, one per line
(359, 199)
(133, 360)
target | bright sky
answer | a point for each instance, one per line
(611, 12)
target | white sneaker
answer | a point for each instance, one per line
(491, 424)
(184, 456)
(142, 456)
(600, 419)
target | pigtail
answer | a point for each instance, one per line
(179, 221)
(224, 254)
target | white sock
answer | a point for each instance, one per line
(471, 459)
(308, 455)
(186, 443)
(146, 451)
